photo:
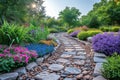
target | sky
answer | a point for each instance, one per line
(53, 7)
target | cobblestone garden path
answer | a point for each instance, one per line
(69, 62)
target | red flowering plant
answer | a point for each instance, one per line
(14, 57)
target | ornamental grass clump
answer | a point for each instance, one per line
(107, 43)
(14, 57)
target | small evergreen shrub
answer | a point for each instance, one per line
(82, 35)
(115, 29)
(111, 69)
(70, 31)
(53, 30)
(85, 34)
(62, 29)
(105, 29)
(110, 28)
(106, 43)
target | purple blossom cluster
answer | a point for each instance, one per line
(75, 33)
(107, 43)
(19, 54)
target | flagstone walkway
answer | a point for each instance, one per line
(72, 62)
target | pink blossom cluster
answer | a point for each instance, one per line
(18, 53)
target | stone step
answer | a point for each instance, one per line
(97, 70)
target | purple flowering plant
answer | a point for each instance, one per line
(107, 43)
(75, 33)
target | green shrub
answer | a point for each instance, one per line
(70, 31)
(82, 35)
(85, 34)
(105, 29)
(6, 64)
(92, 33)
(37, 33)
(111, 69)
(11, 33)
(115, 29)
(62, 29)
(110, 28)
(53, 30)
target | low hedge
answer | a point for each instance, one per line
(110, 28)
(85, 34)
(53, 30)
(70, 31)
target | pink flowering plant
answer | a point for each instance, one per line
(15, 56)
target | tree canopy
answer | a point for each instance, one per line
(70, 16)
(20, 10)
(107, 12)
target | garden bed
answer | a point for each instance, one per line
(30, 66)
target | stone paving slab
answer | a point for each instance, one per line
(56, 67)
(101, 55)
(97, 70)
(99, 78)
(66, 56)
(79, 57)
(61, 60)
(47, 76)
(99, 60)
(72, 70)
(81, 53)
(9, 76)
(70, 53)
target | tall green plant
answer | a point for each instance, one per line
(37, 33)
(111, 68)
(11, 33)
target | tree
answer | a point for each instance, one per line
(107, 12)
(19, 10)
(94, 23)
(70, 16)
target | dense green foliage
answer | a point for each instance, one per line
(70, 31)
(12, 34)
(35, 34)
(20, 11)
(53, 30)
(105, 12)
(111, 68)
(69, 16)
(85, 34)
(16, 34)
(110, 28)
